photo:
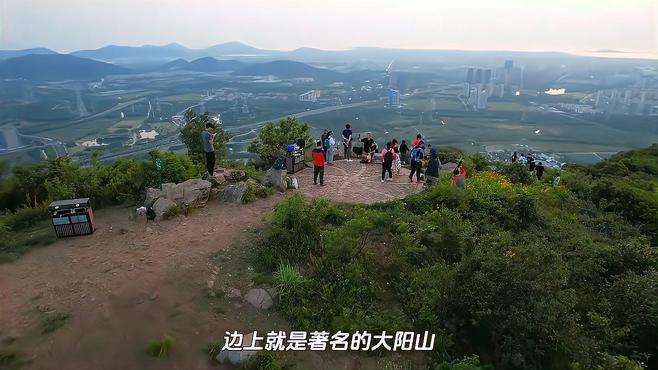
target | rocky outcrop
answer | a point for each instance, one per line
(234, 193)
(277, 179)
(235, 175)
(162, 207)
(237, 357)
(190, 193)
(259, 298)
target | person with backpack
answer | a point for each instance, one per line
(433, 167)
(330, 145)
(318, 163)
(347, 142)
(388, 155)
(416, 156)
(325, 133)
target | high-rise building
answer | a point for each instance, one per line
(470, 75)
(393, 98)
(478, 76)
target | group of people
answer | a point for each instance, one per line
(393, 155)
(538, 168)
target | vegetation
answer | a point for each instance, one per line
(53, 321)
(511, 274)
(160, 348)
(191, 136)
(272, 139)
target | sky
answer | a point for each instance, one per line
(561, 25)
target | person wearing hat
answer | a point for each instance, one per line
(433, 167)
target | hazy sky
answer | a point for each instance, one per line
(571, 25)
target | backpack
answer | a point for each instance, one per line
(325, 144)
(388, 157)
(416, 154)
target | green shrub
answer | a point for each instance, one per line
(263, 361)
(517, 173)
(53, 321)
(160, 348)
(273, 138)
(24, 218)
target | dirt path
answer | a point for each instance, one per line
(131, 282)
(123, 286)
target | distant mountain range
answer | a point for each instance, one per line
(6, 54)
(171, 51)
(57, 67)
(205, 64)
(288, 69)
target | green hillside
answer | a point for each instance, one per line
(521, 276)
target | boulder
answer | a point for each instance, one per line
(215, 194)
(217, 179)
(195, 192)
(161, 206)
(259, 298)
(234, 193)
(235, 175)
(152, 194)
(448, 167)
(172, 192)
(276, 178)
(238, 357)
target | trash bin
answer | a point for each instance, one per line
(72, 217)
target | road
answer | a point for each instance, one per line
(117, 107)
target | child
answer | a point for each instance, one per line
(387, 161)
(318, 163)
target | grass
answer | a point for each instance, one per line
(53, 321)
(11, 359)
(20, 242)
(160, 348)
(213, 349)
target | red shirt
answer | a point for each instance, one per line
(318, 157)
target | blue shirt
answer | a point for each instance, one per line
(206, 140)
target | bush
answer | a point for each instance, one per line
(524, 276)
(24, 218)
(272, 140)
(191, 136)
(160, 348)
(517, 173)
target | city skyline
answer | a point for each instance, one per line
(586, 26)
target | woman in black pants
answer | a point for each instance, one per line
(387, 161)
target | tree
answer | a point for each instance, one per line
(191, 136)
(272, 139)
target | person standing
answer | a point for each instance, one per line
(387, 161)
(330, 144)
(397, 163)
(539, 169)
(531, 163)
(318, 163)
(325, 133)
(347, 142)
(207, 140)
(433, 167)
(416, 155)
(459, 175)
(404, 152)
(556, 179)
(515, 157)
(418, 142)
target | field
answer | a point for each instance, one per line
(475, 131)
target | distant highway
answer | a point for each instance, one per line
(117, 107)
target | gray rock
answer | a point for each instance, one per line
(234, 293)
(448, 167)
(195, 192)
(215, 194)
(217, 179)
(173, 192)
(161, 206)
(235, 175)
(259, 298)
(152, 194)
(234, 193)
(276, 178)
(238, 357)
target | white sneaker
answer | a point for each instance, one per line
(382, 181)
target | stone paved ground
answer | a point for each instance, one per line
(355, 182)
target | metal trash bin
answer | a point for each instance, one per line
(72, 217)
(294, 158)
